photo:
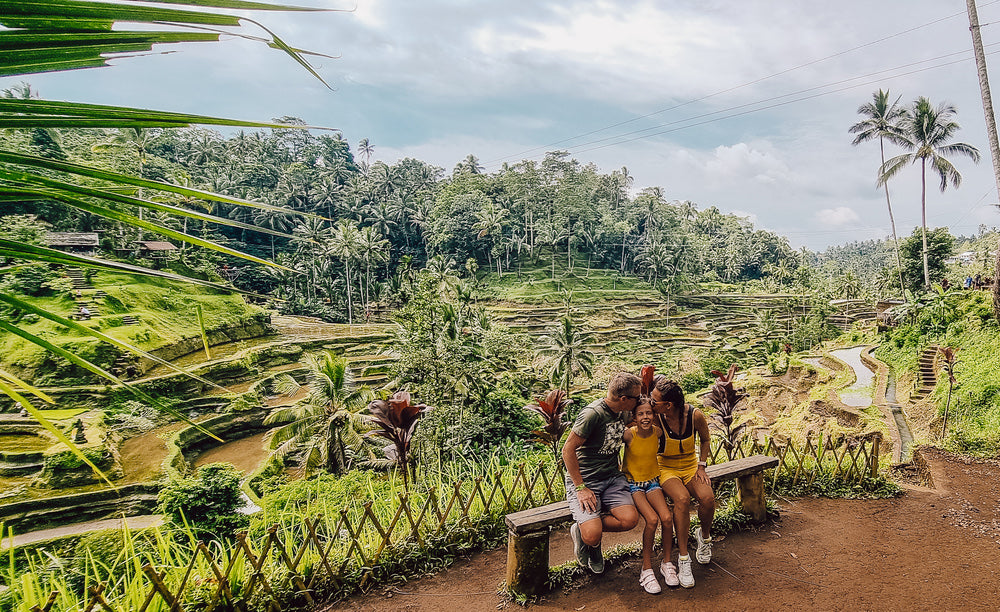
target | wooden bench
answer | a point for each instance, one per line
(528, 530)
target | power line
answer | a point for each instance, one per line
(778, 97)
(495, 161)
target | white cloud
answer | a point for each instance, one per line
(741, 161)
(841, 216)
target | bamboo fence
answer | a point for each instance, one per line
(300, 565)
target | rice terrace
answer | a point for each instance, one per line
(706, 318)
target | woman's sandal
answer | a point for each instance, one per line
(648, 581)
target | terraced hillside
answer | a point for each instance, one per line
(704, 321)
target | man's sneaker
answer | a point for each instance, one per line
(596, 559)
(704, 551)
(647, 578)
(669, 574)
(579, 548)
(684, 576)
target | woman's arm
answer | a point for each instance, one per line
(705, 451)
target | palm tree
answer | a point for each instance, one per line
(366, 148)
(345, 245)
(565, 352)
(273, 220)
(373, 248)
(490, 222)
(884, 121)
(930, 130)
(328, 422)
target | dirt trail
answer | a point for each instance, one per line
(936, 548)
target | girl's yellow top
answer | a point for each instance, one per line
(640, 457)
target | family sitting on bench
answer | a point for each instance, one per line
(660, 463)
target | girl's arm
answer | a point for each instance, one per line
(628, 436)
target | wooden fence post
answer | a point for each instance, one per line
(874, 458)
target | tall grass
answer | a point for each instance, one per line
(362, 520)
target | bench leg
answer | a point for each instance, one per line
(751, 495)
(527, 562)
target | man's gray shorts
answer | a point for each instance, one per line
(611, 493)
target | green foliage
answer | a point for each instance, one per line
(68, 460)
(940, 246)
(963, 320)
(32, 280)
(207, 500)
(325, 493)
(879, 487)
(695, 381)
(100, 551)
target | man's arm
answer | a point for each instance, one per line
(587, 498)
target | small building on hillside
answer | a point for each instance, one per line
(964, 258)
(156, 249)
(81, 243)
(882, 314)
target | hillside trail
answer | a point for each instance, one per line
(934, 548)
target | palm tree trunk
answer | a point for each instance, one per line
(892, 222)
(350, 312)
(923, 220)
(991, 129)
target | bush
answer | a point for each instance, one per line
(207, 501)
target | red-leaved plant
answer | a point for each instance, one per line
(648, 376)
(552, 409)
(395, 420)
(724, 399)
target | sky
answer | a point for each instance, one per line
(744, 105)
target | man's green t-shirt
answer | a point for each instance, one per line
(602, 430)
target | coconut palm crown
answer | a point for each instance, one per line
(930, 130)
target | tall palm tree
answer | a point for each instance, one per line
(565, 352)
(490, 221)
(328, 422)
(931, 130)
(373, 248)
(345, 245)
(884, 121)
(367, 149)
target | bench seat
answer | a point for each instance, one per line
(528, 530)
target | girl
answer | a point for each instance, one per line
(641, 443)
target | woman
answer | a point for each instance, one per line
(682, 474)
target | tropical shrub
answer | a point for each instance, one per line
(208, 500)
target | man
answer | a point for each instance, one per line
(597, 491)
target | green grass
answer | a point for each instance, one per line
(974, 414)
(165, 312)
(536, 285)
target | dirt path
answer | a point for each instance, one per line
(933, 549)
(133, 522)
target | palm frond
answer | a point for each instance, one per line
(45, 36)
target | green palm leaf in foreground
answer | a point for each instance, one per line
(52, 35)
